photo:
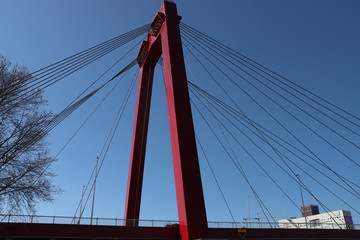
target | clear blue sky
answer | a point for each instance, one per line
(313, 43)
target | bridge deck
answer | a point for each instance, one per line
(67, 231)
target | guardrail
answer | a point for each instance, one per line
(6, 218)
(83, 220)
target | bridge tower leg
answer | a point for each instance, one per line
(164, 39)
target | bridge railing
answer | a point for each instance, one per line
(5, 218)
(282, 225)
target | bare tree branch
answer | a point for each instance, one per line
(25, 177)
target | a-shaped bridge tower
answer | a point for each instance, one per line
(164, 40)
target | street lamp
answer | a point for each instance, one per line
(302, 200)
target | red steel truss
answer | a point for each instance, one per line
(164, 40)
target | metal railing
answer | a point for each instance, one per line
(5, 218)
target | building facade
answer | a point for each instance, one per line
(340, 219)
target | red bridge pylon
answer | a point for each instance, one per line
(164, 39)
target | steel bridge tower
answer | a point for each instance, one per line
(164, 40)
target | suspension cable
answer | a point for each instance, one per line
(107, 144)
(267, 71)
(71, 67)
(238, 167)
(279, 152)
(266, 111)
(305, 187)
(47, 167)
(236, 115)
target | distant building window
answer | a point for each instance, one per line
(314, 222)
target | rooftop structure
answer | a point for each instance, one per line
(309, 210)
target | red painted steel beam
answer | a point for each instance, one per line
(165, 38)
(258, 233)
(189, 193)
(136, 170)
(73, 231)
(151, 49)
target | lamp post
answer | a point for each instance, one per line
(81, 203)
(302, 200)
(93, 199)
(248, 203)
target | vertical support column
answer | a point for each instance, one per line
(138, 148)
(189, 193)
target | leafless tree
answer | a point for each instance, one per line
(25, 175)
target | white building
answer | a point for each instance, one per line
(340, 219)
